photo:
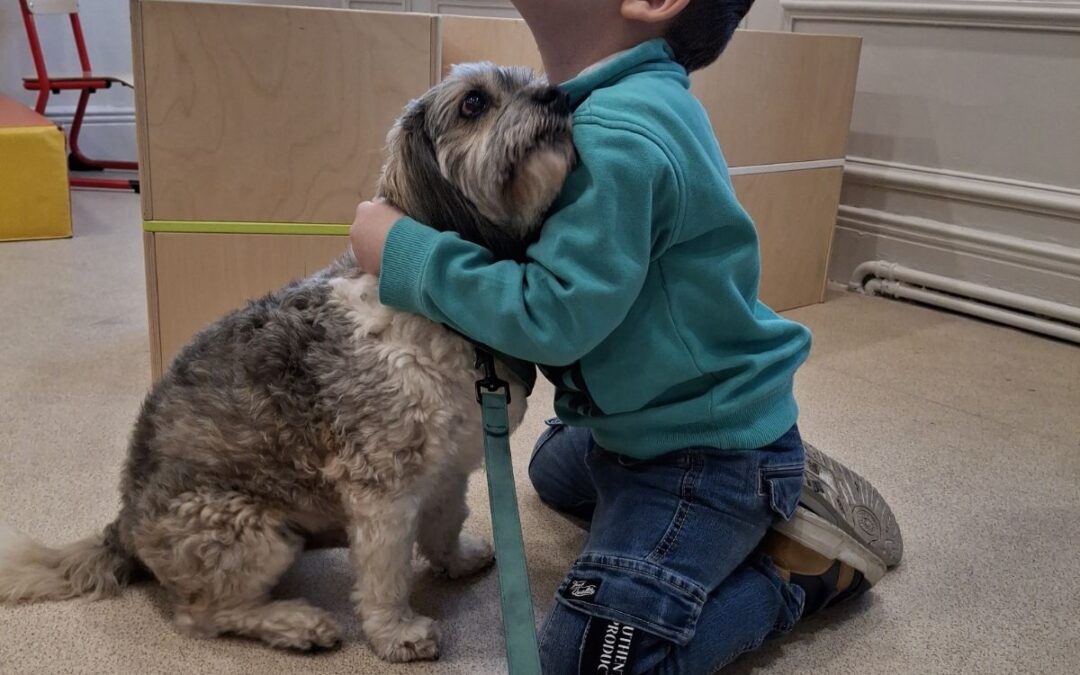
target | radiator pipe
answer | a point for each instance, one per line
(874, 278)
(1018, 301)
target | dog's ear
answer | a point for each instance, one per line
(409, 156)
(413, 182)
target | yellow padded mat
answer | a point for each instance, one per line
(34, 198)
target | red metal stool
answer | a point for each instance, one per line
(86, 84)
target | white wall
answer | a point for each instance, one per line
(765, 15)
(964, 156)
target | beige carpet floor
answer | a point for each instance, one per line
(971, 431)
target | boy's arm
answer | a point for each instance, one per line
(583, 273)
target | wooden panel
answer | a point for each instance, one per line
(781, 97)
(201, 277)
(503, 41)
(141, 131)
(795, 214)
(279, 114)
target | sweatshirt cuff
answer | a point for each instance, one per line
(404, 258)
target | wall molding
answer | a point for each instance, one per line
(94, 116)
(1012, 194)
(748, 169)
(497, 8)
(1035, 16)
(1034, 255)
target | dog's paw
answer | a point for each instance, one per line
(323, 634)
(412, 639)
(473, 555)
(295, 625)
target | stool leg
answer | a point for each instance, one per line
(42, 99)
(77, 161)
(106, 183)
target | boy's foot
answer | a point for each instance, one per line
(825, 581)
(847, 500)
(828, 541)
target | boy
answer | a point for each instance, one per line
(676, 439)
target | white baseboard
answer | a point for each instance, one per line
(107, 133)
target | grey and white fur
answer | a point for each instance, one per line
(316, 409)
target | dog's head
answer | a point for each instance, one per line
(483, 153)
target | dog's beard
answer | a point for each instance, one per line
(534, 185)
(490, 179)
(513, 170)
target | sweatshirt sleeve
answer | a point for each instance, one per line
(581, 276)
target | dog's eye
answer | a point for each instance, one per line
(474, 104)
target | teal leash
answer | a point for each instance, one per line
(493, 394)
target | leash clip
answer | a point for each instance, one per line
(491, 382)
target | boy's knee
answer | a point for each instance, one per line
(559, 471)
(552, 454)
(538, 462)
(536, 458)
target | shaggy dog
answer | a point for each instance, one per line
(316, 409)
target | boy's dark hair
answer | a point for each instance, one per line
(702, 30)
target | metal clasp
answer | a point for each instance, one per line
(491, 382)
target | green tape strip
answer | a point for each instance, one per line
(212, 227)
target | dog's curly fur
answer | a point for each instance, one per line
(316, 409)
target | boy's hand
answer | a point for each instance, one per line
(368, 233)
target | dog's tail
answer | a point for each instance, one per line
(95, 567)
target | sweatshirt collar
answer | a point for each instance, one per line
(655, 54)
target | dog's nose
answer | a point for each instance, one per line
(553, 97)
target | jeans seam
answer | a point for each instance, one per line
(767, 473)
(686, 494)
(780, 468)
(584, 639)
(742, 649)
(564, 507)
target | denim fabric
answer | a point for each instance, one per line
(670, 551)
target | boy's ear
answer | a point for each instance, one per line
(651, 11)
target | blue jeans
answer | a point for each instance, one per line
(669, 580)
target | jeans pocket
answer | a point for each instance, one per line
(628, 591)
(783, 485)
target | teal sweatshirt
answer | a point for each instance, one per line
(639, 299)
